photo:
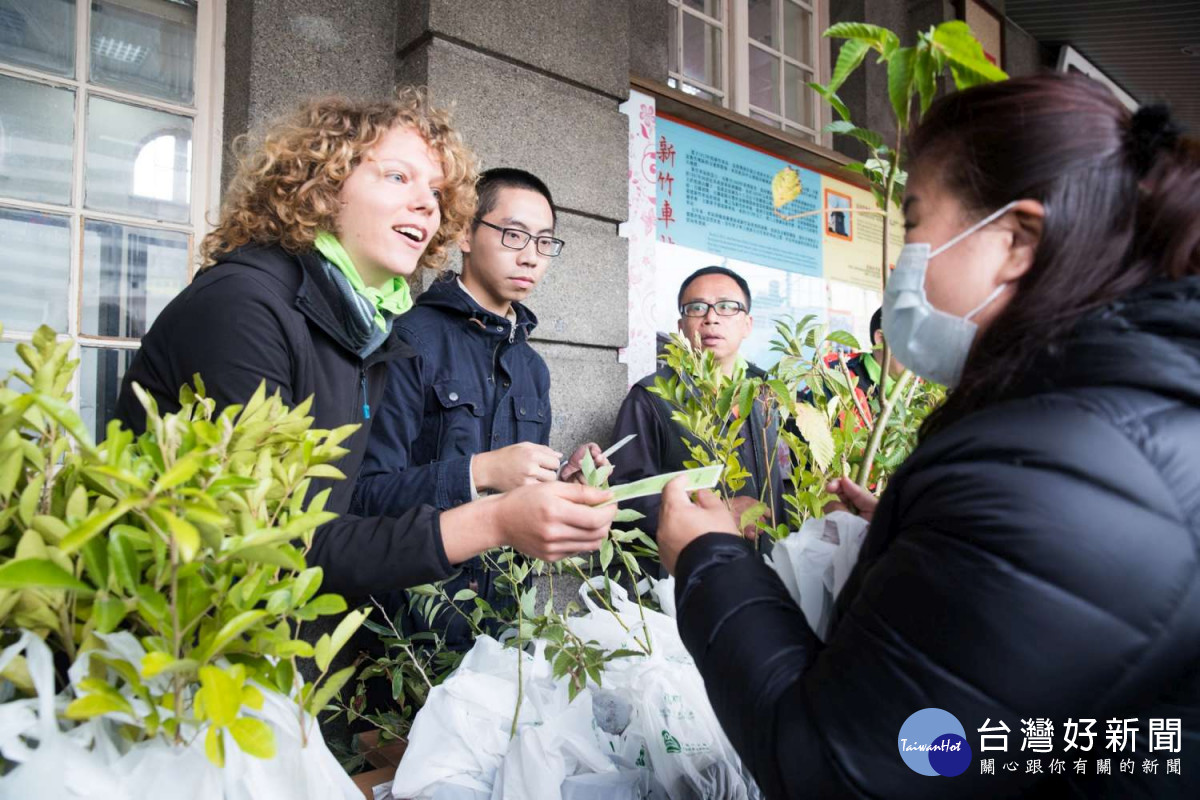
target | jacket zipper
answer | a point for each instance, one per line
(366, 406)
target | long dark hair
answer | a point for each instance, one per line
(1122, 199)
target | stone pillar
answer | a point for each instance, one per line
(536, 85)
(280, 51)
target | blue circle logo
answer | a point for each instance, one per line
(933, 742)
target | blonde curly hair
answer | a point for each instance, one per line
(288, 179)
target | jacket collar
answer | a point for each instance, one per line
(309, 286)
(448, 297)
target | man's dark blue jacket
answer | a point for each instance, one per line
(476, 385)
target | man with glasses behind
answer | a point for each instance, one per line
(471, 414)
(714, 313)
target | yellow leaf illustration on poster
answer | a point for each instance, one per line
(785, 187)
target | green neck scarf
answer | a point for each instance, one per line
(873, 370)
(393, 297)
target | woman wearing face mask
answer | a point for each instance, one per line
(303, 275)
(1037, 556)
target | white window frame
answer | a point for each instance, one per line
(678, 11)
(741, 68)
(735, 62)
(206, 116)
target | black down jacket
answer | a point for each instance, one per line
(263, 314)
(1034, 560)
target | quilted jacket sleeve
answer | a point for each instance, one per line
(1033, 566)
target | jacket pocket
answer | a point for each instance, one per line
(459, 411)
(531, 417)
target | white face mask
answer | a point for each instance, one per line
(932, 343)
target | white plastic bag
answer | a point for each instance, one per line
(61, 766)
(665, 743)
(815, 562)
(91, 760)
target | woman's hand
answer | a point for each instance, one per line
(852, 498)
(680, 520)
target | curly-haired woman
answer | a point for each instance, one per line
(1034, 567)
(327, 215)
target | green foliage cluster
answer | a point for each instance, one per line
(824, 432)
(414, 664)
(912, 73)
(191, 537)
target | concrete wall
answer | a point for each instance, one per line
(278, 51)
(1022, 53)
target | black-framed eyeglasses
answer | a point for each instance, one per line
(724, 308)
(516, 239)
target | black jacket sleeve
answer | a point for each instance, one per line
(366, 555)
(642, 457)
(1031, 579)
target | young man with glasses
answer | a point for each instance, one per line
(714, 313)
(471, 413)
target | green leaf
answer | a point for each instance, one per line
(222, 695)
(30, 498)
(329, 689)
(180, 472)
(92, 526)
(276, 555)
(464, 594)
(815, 430)
(62, 413)
(844, 338)
(122, 558)
(628, 515)
(752, 515)
(185, 534)
(107, 614)
(900, 83)
(321, 606)
(850, 56)
(285, 676)
(230, 631)
(925, 74)
(323, 652)
(868, 137)
(606, 553)
(51, 528)
(587, 466)
(39, 573)
(97, 703)
(324, 471)
(214, 745)
(346, 629)
(306, 585)
(878, 37)
(253, 736)
(968, 64)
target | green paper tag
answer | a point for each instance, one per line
(699, 478)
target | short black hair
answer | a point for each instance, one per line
(700, 273)
(876, 324)
(493, 180)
